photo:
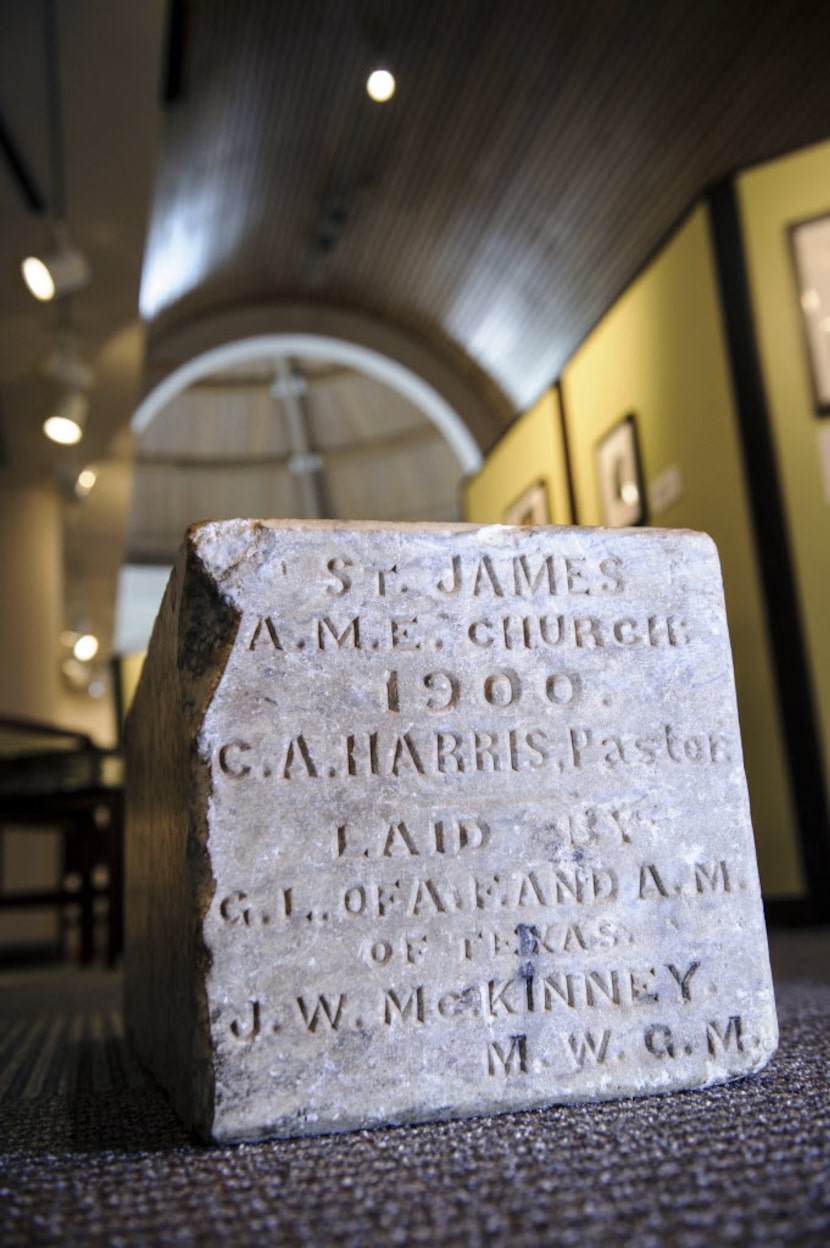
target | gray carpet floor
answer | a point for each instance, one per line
(91, 1153)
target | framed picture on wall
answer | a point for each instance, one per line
(810, 246)
(619, 470)
(531, 507)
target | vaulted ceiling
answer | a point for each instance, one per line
(535, 153)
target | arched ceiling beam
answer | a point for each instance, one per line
(313, 346)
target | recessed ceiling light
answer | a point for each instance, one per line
(380, 85)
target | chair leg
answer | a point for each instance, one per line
(86, 896)
(116, 885)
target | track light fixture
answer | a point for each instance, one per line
(81, 673)
(86, 647)
(66, 422)
(74, 481)
(84, 482)
(64, 269)
(65, 366)
(61, 272)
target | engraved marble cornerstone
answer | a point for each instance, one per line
(434, 821)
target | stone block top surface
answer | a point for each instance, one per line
(473, 821)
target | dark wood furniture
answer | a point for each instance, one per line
(54, 779)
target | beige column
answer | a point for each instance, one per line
(30, 618)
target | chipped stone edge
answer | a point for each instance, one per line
(166, 960)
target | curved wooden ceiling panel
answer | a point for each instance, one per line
(532, 157)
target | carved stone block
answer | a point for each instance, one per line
(428, 822)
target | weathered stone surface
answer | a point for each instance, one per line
(431, 822)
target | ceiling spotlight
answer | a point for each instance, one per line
(38, 278)
(86, 647)
(66, 423)
(62, 272)
(380, 85)
(85, 480)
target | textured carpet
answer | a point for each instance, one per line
(92, 1154)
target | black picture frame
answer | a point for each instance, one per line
(531, 508)
(620, 479)
(809, 242)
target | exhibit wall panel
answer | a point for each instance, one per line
(660, 355)
(771, 198)
(529, 456)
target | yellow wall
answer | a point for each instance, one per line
(129, 669)
(660, 353)
(771, 198)
(532, 450)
